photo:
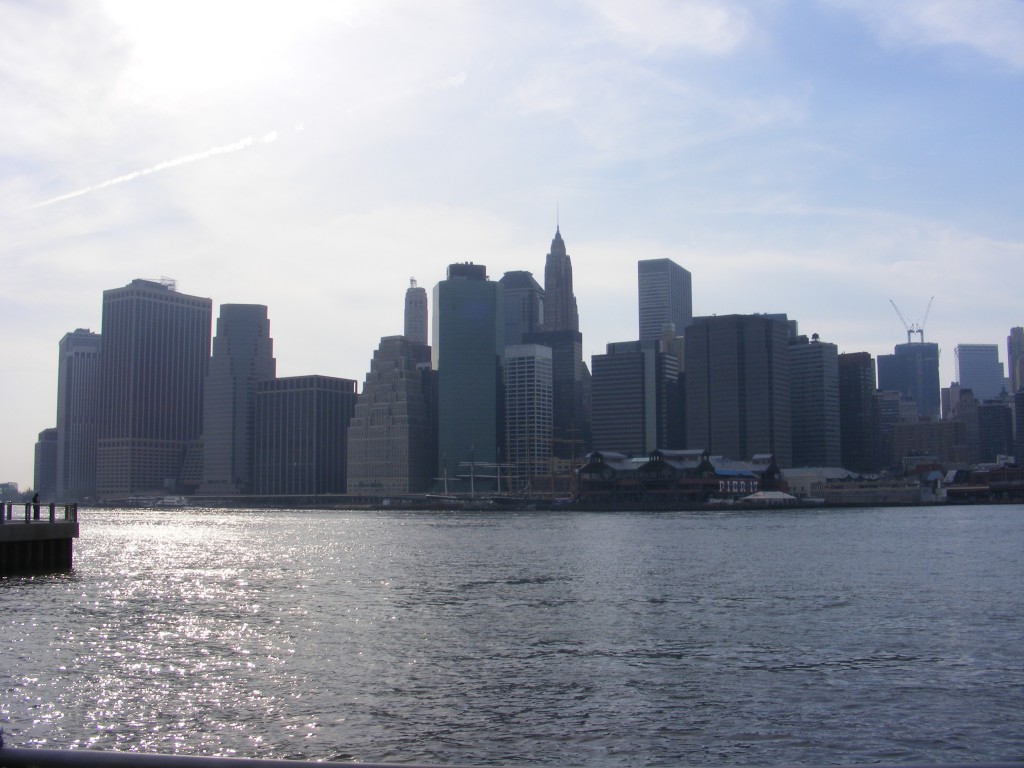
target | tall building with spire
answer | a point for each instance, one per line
(570, 416)
(416, 313)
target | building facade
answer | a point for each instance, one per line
(243, 356)
(979, 370)
(78, 411)
(45, 469)
(859, 430)
(416, 315)
(156, 345)
(665, 298)
(738, 400)
(913, 371)
(391, 446)
(1015, 358)
(301, 435)
(524, 306)
(469, 340)
(528, 406)
(814, 393)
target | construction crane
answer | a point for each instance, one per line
(913, 328)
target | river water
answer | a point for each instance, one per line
(807, 637)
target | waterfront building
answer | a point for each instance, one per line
(944, 442)
(45, 470)
(528, 405)
(814, 394)
(978, 369)
(913, 371)
(859, 437)
(524, 306)
(243, 356)
(995, 431)
(665, 298)
(469, 333)
(1015, 358)
(156, 345)
(738, 400)
(391, 447)
(416, 324)
(301, 435)
(78, 406)
(634, 397)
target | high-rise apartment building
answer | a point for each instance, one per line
(243, 356)
(78, 409)
(738, 400)
(469, 340)
(1015, 358)
(524, 306)
(633, 397)
(416, 324)
(814, 393)
(301, 435)
(665, 297)
(913, 371)
(391, 446)
(528, 426)
(859, 429)
(156, 345)
(979, 370)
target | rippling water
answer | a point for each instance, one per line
(885, 635)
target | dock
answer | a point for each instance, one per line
(38, 540)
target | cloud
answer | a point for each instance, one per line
(993, 28)
(657, 26)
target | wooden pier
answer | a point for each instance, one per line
(38, 540)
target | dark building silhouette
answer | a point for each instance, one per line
(156, 345)
(524, 306)
(738, 400)
(858, 413)
(416, 324)
(78, 410)
(469, 340)
(1015, 359)
(391, 437)
(633, 393)
(913, 371)
(665, 298)
(243, 356)
(814, 393)
(45, 471)
(560, 313)
(995, 431)
(301, 435)
(978, 369)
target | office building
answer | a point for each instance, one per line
(634, 397)
(560, 312)
(913, 371)
(665, 298)
(859, 429)
(1015, 358)
(78, 412)
(156, 345)
(391, 447)
(301, 435)
(243, 356)
(524, 306)
(528, 425)
(814, 394)
(416, 313)
(45, 470)
(979, 370)
(738, 400)
(995, 431)
(469, 334)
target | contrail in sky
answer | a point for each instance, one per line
(221, 150)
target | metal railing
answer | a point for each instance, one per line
(33, 512)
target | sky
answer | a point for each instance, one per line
(823, 158)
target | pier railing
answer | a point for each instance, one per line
(34, 510)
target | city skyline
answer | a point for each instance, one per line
(817, 159)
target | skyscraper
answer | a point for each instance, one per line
(814, 392)
(156, 344)
(45, 470)
(1015, 358)
(301, 435)
(664, 297)
(738, 387)
(560, 313)
(859, 429)
(78, 408)
(524, 306)
(469, 340)
(243, 356)
(391, 447)
(978, 369)
(416, 313)
(913, 371)
(528, 387)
